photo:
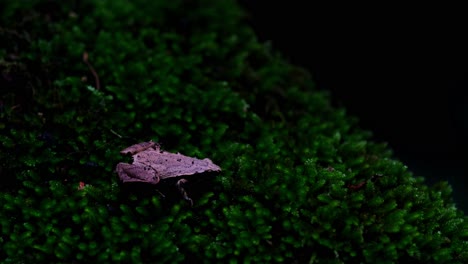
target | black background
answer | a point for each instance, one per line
(402, 70)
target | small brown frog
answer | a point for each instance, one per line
(151, 164)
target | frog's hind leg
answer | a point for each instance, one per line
(182, 190)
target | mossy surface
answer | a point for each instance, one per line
(300, 183)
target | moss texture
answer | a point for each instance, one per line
(300, 181)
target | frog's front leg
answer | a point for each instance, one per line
(136, 173)
(182, 190)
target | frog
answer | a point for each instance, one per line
(152, 165)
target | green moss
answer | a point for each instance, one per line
(300, 181)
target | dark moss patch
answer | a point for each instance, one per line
(300, 182)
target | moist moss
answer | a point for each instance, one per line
(300, 181)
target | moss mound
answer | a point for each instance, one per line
(300, 183)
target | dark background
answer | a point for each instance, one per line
(402, 70)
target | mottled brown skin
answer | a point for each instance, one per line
(151, 165)
(139, 147)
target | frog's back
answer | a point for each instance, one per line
(133, 149)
